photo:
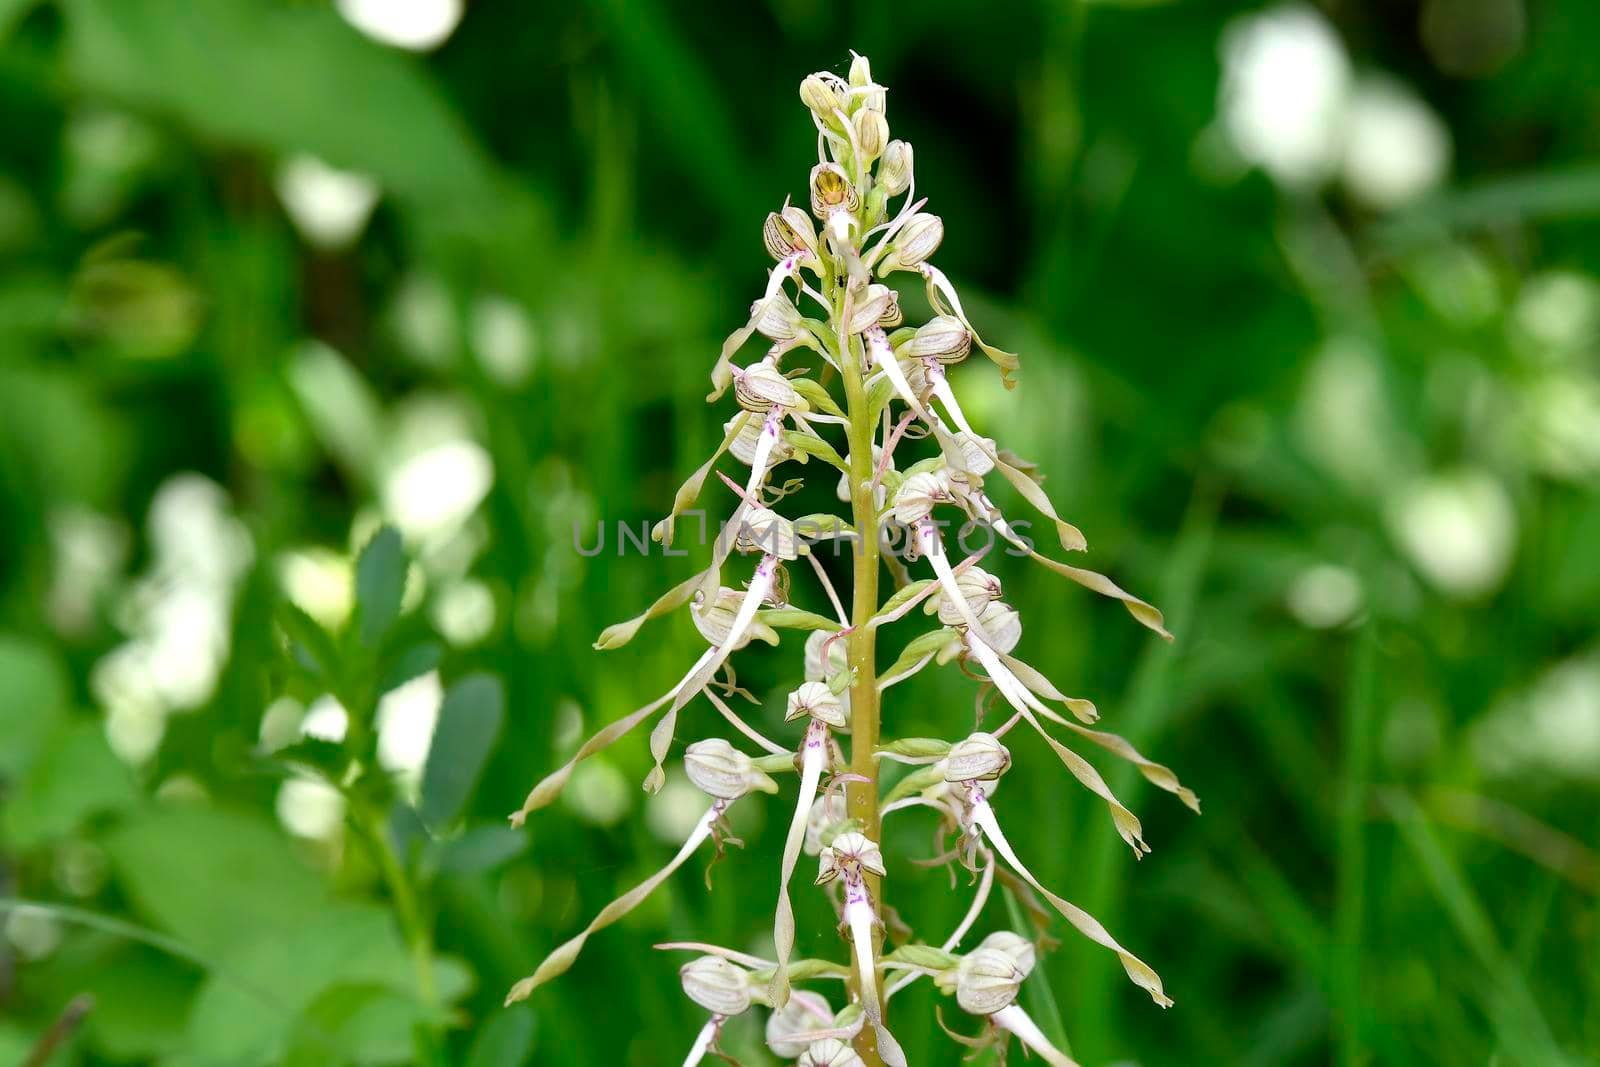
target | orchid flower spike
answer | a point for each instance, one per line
(827, 368)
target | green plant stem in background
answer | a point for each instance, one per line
(862, 797)
(413, 925)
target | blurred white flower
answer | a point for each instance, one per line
(503, 338)
(88, 551)
(325, 720)
(1558, 312)
(178, 615)
(464, 612)
(435, 490)
(1395, 147)
(1284, 86)
(406, 720)
(417, 25)
(1553, 725)
(599, 793)
(318, 581)
(310, 807)
(1324, 596)
(1459, 530)
(1343, 419)
(329, 207)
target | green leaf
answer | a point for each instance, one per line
(283, 78)
(914, 783)
(922, 645)
(902, 595)
(505, 1041)
(380, 584)
(413, 663)
(34, 694)
(924, 956)
(917, 747)
(821, 526)
(76, 777)
(797, 619)
(310, 644)
(316, 754)
(816, 396)
(469, 725)
(11, 13)
(479, 848)
(810, 445)
(172, 862)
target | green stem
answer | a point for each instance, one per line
(413, 926)
(861, 798)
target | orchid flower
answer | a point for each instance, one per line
(843, 257)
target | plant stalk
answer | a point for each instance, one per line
(861, 798)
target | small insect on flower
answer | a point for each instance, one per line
(840, 380)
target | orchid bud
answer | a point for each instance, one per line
(764, 530)
(720, 987)
(871, 306)
(838, 661)
(969, 454)
(867, 91)
(918, 239)
(978, 587)
(832, 192)
(820, 93)
(826, 813)
(789, 232)
(829, 1052)
(778, 319)
(744, 444)
(894, 172)
(872, 133)
(722, 771)
(986, 981)
(1020, 949)
(762, 385)
(850, 853)
(943, 337)
(715, 621)
(1001, 622)
(978, 758)
(806, 1011)
(819, 702)
(917, 495)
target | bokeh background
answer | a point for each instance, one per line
(1308, 299)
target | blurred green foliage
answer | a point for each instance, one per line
(1351, 450)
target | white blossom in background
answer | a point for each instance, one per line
(310, 807)
(1285, 82)
(318, 581)
(326, 720)
(415, 25)
(504, 340)
(1552, 725)
(1459, 530)
(464, 611)
(88, 552)
(330, 207)
(1291, 104)
(1324, 596)
(1395, 147)
(406, 718)
(178, 616)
